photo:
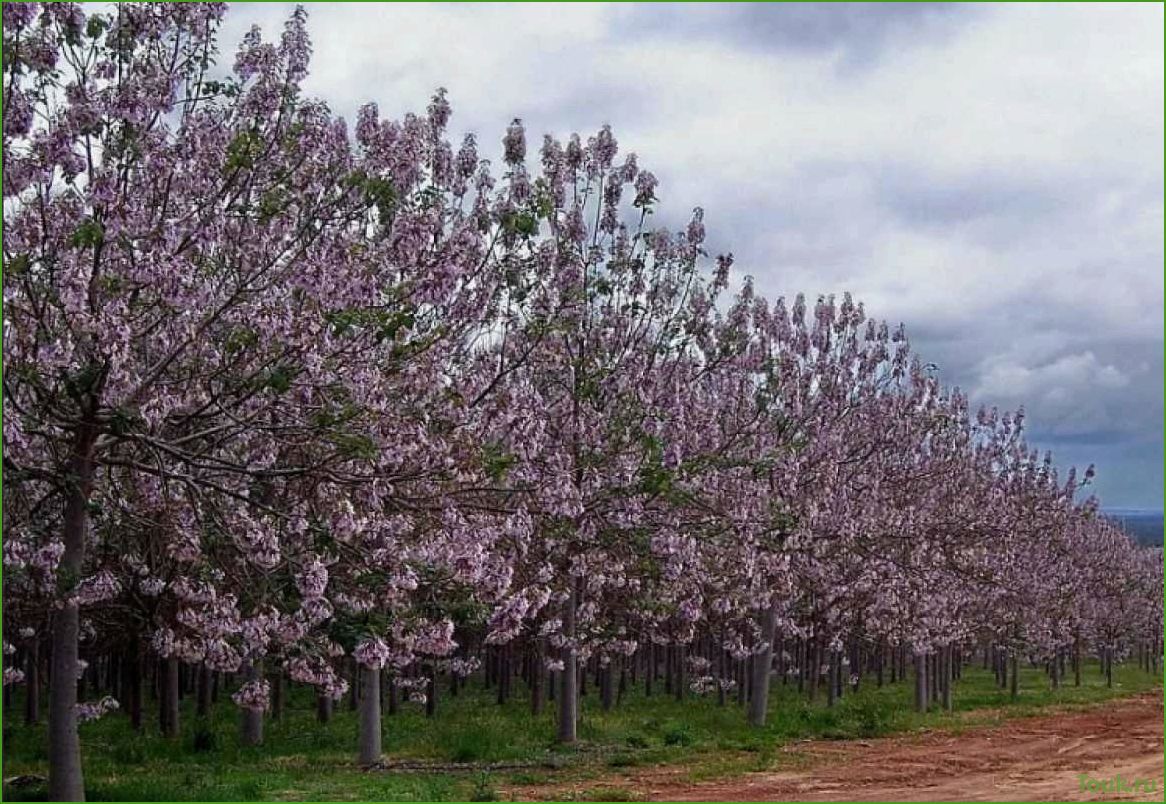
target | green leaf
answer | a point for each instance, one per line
(88, 235)
(279, 379)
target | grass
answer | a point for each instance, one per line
(301, 760)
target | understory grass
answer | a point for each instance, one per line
(302, 760)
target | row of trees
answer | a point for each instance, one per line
(280, 402)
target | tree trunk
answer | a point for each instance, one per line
(606, 688)
(538, 673)
(370, 716)
(66, 781)
(920, 683)
(202, 698)
(842, 677)
(1014, 690)
(354, 690)
(500, 671)
(394, 696)
(323, 707)
(832, 679)
(251, 726)
(946, 672)
(649, 669)
(568, 696)
(801, 660)
(168, 706)
(815, 668)
(277, 696)
(722, 670)
(31, 683)
(134, 680)
(763, 661)
(431, 692)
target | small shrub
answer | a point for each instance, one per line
(871, 719)
(470, 745)
(621, 761)
(677, 735)
(484, 789)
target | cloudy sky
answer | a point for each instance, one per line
(990, 175)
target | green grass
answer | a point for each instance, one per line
(301, 760)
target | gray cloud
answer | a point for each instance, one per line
(855, 32)
(990, 175)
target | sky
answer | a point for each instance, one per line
(990, 175)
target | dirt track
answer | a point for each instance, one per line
(1030, 759)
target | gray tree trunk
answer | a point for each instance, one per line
(538, 673)
(32, 682)
(354, 687)
(1077, 662)
(832, 679)
(568, 694)
(1015, 688)
(649, 668)
(762, 662)
(370, 716)
(66, 781)
(202, 698)
(946, 670)
(277, 702)
(394, 696)
(815, 668)
(135, 660)
(920, 683)
(252, 719)
(168, 706)
(323, 707)
(606, 688)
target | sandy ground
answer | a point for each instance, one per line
(1029, 759)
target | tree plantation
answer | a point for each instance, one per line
(291, 403)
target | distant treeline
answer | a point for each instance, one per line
(1144, 526)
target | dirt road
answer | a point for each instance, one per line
(1030, 759)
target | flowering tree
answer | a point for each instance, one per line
(195, 298)
(279, 401)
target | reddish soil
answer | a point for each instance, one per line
(1028, 759)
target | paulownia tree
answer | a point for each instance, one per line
(209, 284)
